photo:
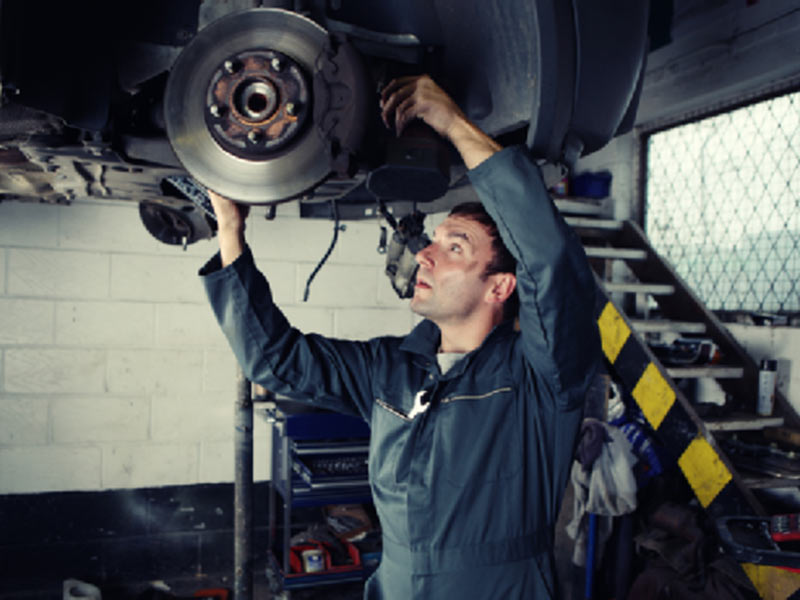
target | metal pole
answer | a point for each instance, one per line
(243, 491)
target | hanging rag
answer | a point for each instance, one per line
(604, 484)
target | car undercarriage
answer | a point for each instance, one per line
(268, 102)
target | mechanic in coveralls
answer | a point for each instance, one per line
(473, 421)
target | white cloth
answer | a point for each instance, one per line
(448, 359)
(608, 489)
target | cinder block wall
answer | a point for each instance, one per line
(113, 373)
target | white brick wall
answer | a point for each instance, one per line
(362, 323)
(54, 371)
(27, 225)
(153, 464)
(155, 278)
(24, 421)
(113, 372)
(87, 324)
(26, 321)
(57, 273)
(216, 458)
(104, 419)
(50, 468)
(2, 271)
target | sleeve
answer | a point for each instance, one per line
(556, 287)
(333, 374)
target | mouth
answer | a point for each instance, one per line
(420, 284)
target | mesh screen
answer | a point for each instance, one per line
(723, 205)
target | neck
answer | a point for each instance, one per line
(465, 336)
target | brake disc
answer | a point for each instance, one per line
(239, 106)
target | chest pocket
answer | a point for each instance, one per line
(390, 430)
(477, 437)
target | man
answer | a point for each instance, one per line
(473, 422)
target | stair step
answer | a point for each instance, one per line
(663, 325)
(742, 422)
(589, 223)
(770, 482)
(717, 372)
(615, 253)
(578, 207)
(654, 289)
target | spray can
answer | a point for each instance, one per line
(767, 374)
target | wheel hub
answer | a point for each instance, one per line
(257, 103)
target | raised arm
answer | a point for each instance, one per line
(329, 373)
(554, 281)
(230, 226)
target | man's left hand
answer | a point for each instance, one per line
(418, 97)
(407, 98)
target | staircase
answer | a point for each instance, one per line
(631, 274)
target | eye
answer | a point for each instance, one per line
(455, 248)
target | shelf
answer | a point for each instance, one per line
(317, 459)
(615, 253)
(713, 371)
(654, 289)
(293, 581)
(589, 223)
(740, 422)
(577, 206)
(664, 325)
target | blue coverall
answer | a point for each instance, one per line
(468, 491)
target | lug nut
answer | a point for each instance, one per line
(254, 135)
(231, 66)
(216, 110)
(291, 109)
(277, 64)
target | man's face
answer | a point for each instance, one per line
(450, 281)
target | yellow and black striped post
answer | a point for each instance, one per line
(663, 405)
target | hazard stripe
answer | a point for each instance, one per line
(773, 583)
(704, 471)
(654, 395)
(615, 331)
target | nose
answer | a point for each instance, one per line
(425, 256)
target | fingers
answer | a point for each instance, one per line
(215, 197)
(396, 92)
(396, 84)
(405, 113)
(226, 210)
(217, 202)
(407, 98)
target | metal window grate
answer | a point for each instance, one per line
(723, 205)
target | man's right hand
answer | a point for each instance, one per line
(230, 226)
(229, 214)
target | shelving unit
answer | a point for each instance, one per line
(317, 459)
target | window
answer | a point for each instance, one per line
(723, 205)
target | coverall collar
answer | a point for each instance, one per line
(424, 339)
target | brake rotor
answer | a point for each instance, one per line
(239, 106)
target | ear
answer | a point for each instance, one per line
(502, 285)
